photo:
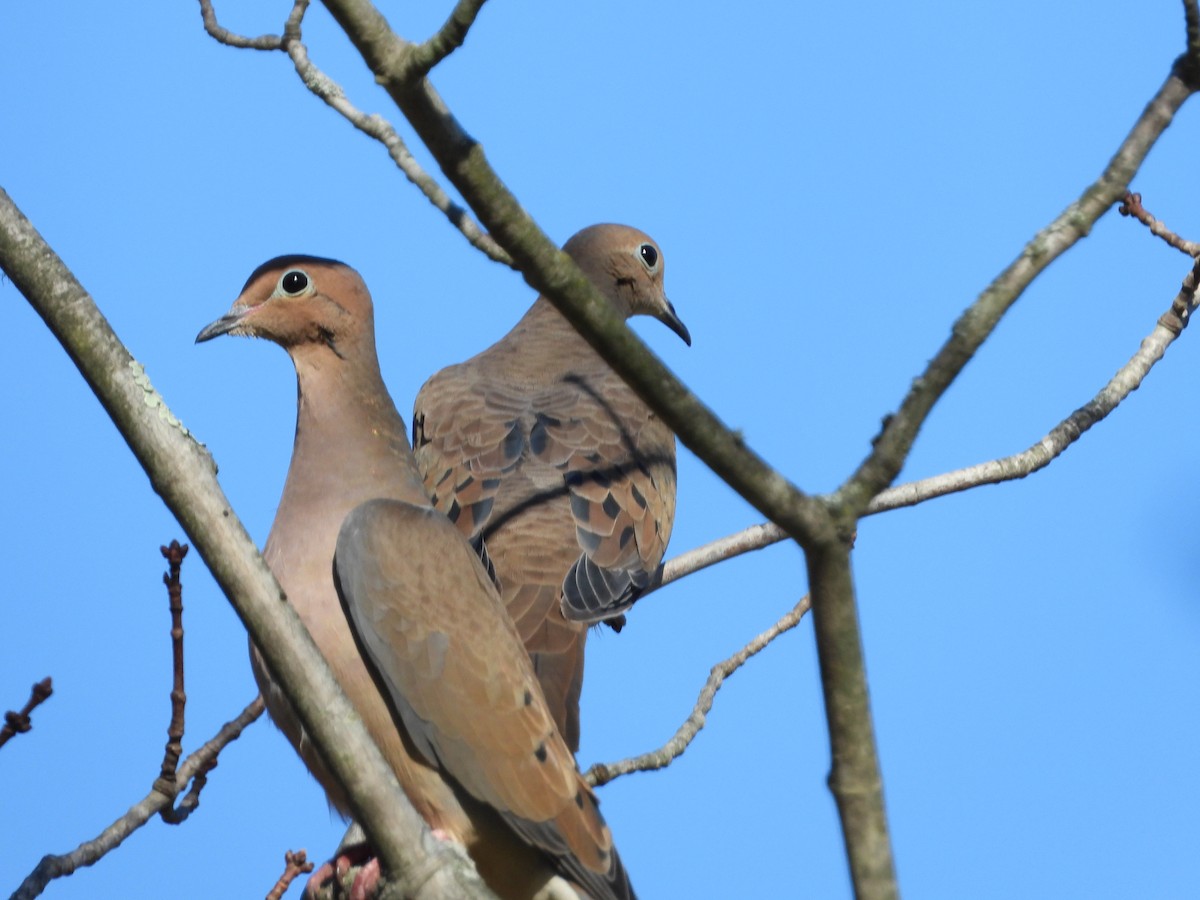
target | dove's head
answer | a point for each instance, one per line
(302, 302)
(627, 266)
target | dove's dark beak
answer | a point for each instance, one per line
(671, 319)
(223, 325)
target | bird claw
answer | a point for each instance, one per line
(329, 881)
(366, 881)
(357, 865)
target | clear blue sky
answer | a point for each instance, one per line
(831, 184)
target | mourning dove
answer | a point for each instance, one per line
(558, 473)
(461, 718)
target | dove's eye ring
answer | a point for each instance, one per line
(294, 282)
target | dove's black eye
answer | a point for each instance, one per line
(293, 282)
(649, 255)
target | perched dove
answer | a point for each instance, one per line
(472, 740)
(561, 477)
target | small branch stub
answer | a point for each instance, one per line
(19, 722)
(1131, 205)
(295, 865)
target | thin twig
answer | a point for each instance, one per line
(139, 814)
(1131, 205)
(371, 124)
(174, 554)
(227, 37)
(423, 57)
(602, 773)
(295, 865)
(19, 722)
(1130, 376)
(166, 783)
(377, 127)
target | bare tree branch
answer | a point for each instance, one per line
(753, 538)
(183, 474)
(980, 319)
(380, 129)
(139, 814)
(372, 125)
(19, 722)
(602, 773)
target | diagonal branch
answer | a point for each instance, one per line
(602, 773)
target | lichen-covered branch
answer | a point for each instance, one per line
(602, 773)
